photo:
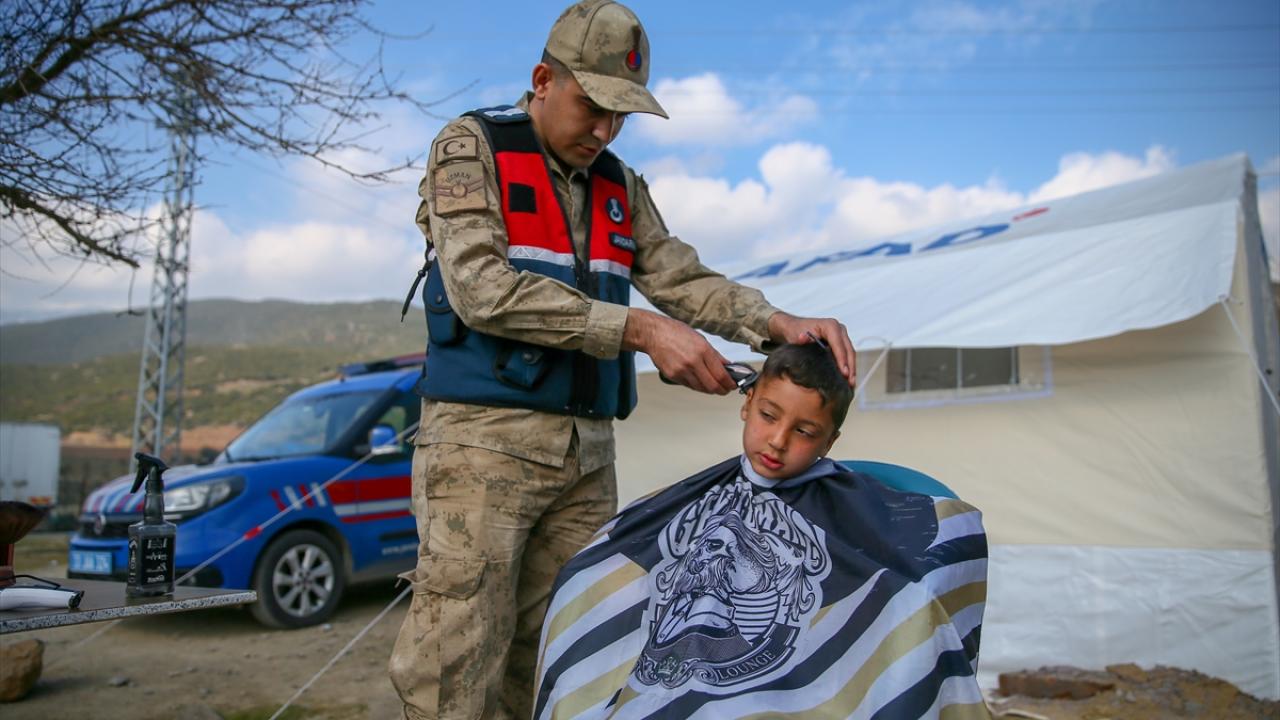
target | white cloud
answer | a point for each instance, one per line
(350, 243)
(309, 262)
(802, 201)
(869, 208)
(703, 111)
(1081, 172)
(355, 243)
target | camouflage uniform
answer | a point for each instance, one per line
(504, 497)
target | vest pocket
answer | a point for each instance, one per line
(444, 327)
(520, 366)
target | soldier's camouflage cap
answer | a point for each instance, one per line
(605, 47)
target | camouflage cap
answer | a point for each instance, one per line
(605, 47)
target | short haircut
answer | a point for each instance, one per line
(812, 366)
(559, 70)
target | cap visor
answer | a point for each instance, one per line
(618, 94)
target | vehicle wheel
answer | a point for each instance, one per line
(299, 580)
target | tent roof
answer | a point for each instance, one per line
(1139, 255)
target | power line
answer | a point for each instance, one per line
(929, 68)
(1019, 111)
(977, 32)
(361, 211)
(991, 92)
(934, 68)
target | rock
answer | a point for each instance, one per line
(1129, 672)
(118, 681)
(197, 711)
(326, 627)
(20, 666)
(1055, 682)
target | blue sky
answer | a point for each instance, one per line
(803, 126)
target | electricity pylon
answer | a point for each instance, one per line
(157, 420)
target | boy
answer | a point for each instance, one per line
(775, 582)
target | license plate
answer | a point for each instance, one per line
(91, 562)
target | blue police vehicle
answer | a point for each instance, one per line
(346, 521)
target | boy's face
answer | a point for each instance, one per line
(786, 428)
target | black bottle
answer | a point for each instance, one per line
(151, 541)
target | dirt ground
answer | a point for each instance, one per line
(1155, 693)
(221, 663)
(145, 668)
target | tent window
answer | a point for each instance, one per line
(933, 376)
(950, 368)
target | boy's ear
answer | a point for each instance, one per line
(746, 403)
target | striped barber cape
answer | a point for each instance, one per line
(727, 595)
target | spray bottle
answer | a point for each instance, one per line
(151, 541)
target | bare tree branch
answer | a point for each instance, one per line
(85, 84)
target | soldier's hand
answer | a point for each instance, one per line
(678, 351)
(788, 328)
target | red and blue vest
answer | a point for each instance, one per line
(467, 366)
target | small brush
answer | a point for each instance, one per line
(16, 520)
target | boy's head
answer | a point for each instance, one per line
(793, 413)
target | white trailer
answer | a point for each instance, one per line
(30, 454)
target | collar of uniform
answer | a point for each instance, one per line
(568, 173)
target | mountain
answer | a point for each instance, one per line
(241, 359)
(363, 330)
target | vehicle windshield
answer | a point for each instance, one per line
(301, 426)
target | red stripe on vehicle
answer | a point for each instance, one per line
(385, 488)
(253, 533)
(343, 492)
(305, 494)
(280, 504)
(377, 516)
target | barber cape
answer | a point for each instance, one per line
(728, 595)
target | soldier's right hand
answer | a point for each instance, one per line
(681, 354)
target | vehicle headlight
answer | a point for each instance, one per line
(191, 500)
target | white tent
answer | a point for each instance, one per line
(1128, 474)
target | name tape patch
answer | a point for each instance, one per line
(623, 242)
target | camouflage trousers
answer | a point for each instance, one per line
(494, 531)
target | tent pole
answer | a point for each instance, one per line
(1244, 343)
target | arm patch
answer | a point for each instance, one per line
(461, 147)
(459, 186)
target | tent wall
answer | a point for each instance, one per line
(1255, 302)
(1129, 513)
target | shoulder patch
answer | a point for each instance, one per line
(460, 147)
(502, 114)
(459, 186)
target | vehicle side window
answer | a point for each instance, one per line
(402, 414)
